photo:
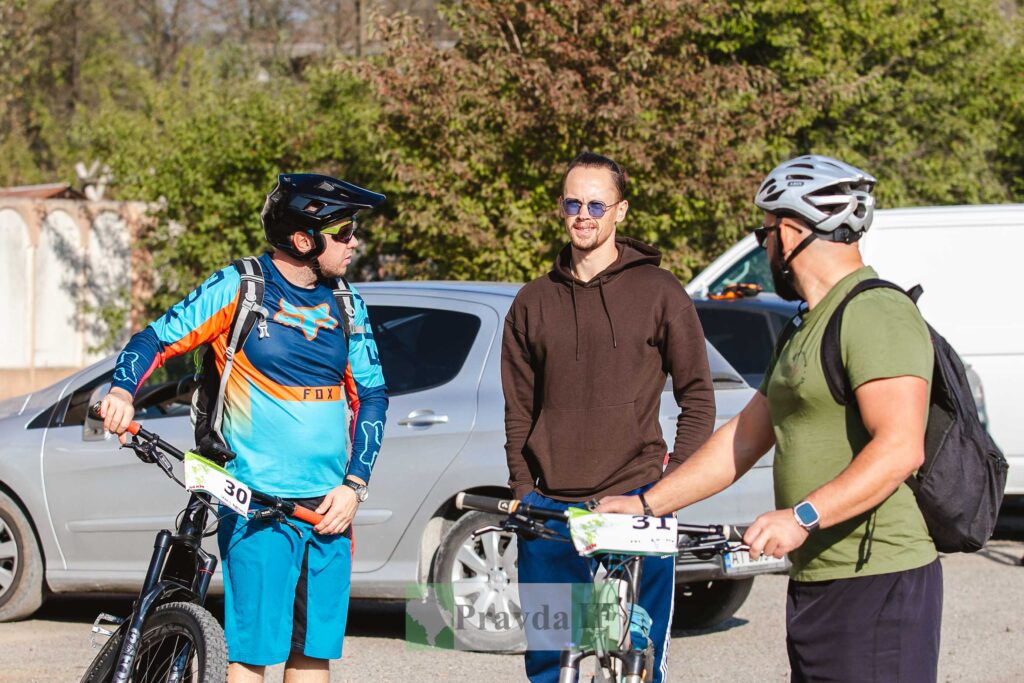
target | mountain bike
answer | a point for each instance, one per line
(169, 635)
(617, 543)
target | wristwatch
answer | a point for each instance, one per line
(362, 493)
(807, 515)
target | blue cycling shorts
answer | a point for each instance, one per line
(284, 591)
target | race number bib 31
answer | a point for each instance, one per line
(203, 475)
(593, 533)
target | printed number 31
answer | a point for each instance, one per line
(644, 522)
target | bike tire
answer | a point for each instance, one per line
(163, 633)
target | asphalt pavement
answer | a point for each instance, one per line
(982, 635)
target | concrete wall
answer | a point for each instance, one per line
(60, 260)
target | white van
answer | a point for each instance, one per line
(966, 258)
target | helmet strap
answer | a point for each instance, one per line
(786, 267)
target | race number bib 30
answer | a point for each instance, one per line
(593, 533)
(203, 475)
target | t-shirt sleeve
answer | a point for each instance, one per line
(883, 335)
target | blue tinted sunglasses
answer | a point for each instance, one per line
(595, 209)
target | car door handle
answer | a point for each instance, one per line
(423, 418)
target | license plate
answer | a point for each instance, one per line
(739, 562)
(203, 475)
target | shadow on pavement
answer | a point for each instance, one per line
(367, 618)
(727, 625)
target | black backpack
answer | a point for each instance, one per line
(959, 488)
(208, 398)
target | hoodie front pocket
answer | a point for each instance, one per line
(581, 448)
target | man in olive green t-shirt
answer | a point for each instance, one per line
(865, 596)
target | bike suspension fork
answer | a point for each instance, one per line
(569, 666)
(133, 633)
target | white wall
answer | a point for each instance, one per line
(57, 281)
(108, 277)
(60, 261)
(15, 291)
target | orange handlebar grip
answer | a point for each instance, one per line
(307, 515)
(134, 428)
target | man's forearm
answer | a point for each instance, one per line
(727, 456)
(873, 476)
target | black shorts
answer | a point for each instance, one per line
(881, 628)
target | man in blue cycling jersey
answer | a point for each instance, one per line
(286, 417)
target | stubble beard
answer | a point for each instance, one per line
(334, 270)
(587, 244)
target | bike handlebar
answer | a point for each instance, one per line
(287, 507)
(502, 506)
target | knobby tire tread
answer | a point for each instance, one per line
(201, 625)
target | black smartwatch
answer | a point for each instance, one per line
(362, 493)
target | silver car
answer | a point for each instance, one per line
(78, 514)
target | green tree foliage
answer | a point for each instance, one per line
(197, 106)
(913, 91)
(59, 58)
(206, 148)
(479, 134)
(697, 99)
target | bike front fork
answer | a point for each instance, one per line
(632, 670)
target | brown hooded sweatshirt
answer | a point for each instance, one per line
(583, 366)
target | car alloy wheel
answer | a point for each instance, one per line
(9, 558)
(21, 563)
(484, 613)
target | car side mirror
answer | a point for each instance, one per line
(92, 429)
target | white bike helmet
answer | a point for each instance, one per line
(833, 198)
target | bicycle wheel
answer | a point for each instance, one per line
(181, 642)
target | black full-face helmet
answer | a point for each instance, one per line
(311, 203)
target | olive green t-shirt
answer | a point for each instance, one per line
(882, 335)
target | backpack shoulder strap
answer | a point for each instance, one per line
(343, 295)
(784, 336)
(787, 332)
(249, 312)
(831, 348)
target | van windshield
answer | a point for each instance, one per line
(751, 269)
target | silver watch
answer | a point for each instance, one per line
(362, 493)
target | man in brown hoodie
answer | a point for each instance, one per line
(585, 355)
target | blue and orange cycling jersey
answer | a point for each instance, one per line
(285, 412)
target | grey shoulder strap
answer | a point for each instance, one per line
(250, 312)
(343, 295)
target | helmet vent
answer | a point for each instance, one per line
(774, 196)
(326, 187)
(313, 207)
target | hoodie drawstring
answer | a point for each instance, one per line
(575, 317)
(611, 324)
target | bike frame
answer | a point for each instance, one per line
(702, 541)
(180, 570)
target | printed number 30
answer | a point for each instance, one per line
(241, 495)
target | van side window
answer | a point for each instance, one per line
(751, 269)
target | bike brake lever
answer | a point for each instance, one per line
(277, 515)
(486, 530)
(143, 451)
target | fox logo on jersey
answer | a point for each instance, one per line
(309, 320)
